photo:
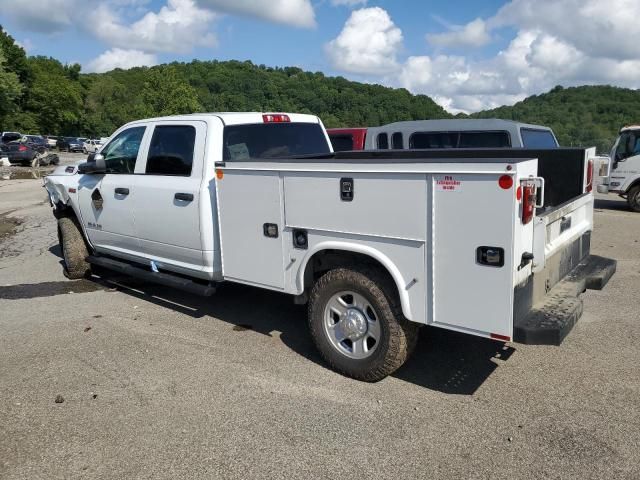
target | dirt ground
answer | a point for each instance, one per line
(158, 384)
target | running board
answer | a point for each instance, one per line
(166, 279)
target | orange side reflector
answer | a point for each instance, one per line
(497, 336)
(219, 174)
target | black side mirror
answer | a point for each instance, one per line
(95, 164)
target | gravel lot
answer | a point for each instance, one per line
(163, 385)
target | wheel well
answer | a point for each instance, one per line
(325, 260)
(64, 210)
(635, 183)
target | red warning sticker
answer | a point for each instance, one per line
(448, 184)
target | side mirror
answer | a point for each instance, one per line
(95, 164)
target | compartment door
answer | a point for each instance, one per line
(247, 201)
(470, 212)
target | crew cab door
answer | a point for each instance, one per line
(107, 201)
(167, 189)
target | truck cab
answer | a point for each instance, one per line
(623, 176)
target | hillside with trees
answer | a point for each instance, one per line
(41, 95)
(579, 116)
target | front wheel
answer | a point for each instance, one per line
(357, 323)
(633, 198)
(74, 249)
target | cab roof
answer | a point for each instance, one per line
(234, 118)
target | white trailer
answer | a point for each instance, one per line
(493, 243)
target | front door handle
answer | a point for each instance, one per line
(122, 191)
(185, 197)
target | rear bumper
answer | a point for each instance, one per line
(550, 320)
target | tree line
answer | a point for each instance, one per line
(41, 95)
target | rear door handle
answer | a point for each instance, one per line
(185, 197)
(122, 191)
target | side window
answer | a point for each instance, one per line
(341, 143)
(433, 140)
(171, 150)
(121, 152)
(382, 141)
(396, 141)
(484, 140)
(628, 146)
(532, 138)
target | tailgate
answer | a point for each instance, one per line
(555, 230)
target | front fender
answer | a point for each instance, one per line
(374, 253)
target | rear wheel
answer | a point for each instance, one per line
(633, 198)
(74, 249)
(357, 323)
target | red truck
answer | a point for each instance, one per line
(346, 139)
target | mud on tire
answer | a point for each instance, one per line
(398, 336)
(74, 249)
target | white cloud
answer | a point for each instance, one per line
(599, 28)
(473, 34)
(573, 42)
(368, 43)
(348, 3)
(177, 27)
(43, 16)
(121, 58)
(298, 13)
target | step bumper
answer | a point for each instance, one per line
(551, 320)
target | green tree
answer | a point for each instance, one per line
(10, 92)
(53, 98)
(166, 92)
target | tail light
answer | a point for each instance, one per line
(275, 118)
(529, 196)
(589, 182)
(531, 190)
(22, 148)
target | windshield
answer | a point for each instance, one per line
(628, 145)
(272, 140)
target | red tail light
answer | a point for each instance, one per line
(529, 195)
(275, 118)
(589, 182)
(22, 148)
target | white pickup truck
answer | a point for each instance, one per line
(490, 242)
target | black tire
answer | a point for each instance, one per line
(398, 335)
(74, 249)
(633, 198)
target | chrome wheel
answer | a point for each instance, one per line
(352, 325)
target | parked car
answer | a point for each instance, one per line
(91, 145)
(38, 140)
(70, 144)
(28, 154)
(52, 140)
(10, 137)
(489, 242)
(447, 133)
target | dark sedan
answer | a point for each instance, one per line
(27, 154)
(70, 144)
